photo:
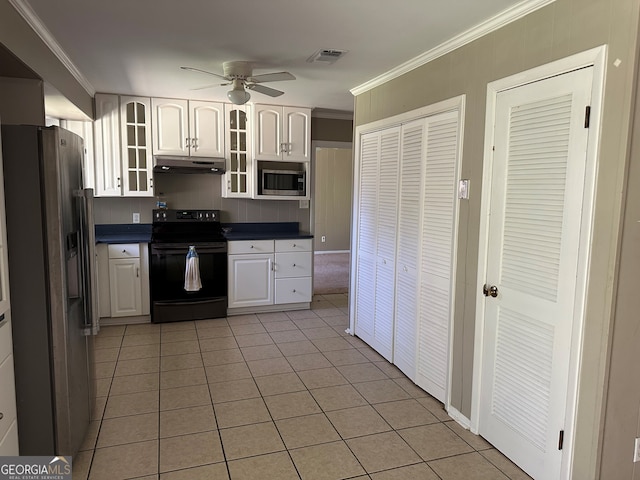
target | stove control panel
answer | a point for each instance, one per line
(160, 216)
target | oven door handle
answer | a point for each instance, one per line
(158, 250)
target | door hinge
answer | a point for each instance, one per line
(587, 116)
(560, 439)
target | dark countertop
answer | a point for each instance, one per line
(264, 231)
(123, 233)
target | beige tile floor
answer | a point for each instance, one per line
(279, 396)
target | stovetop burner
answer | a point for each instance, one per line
(186, 226)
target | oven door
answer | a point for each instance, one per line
(170, 301)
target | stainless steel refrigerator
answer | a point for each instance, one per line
(50, 241)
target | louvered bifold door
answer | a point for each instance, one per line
(439, 217)
(412, 154)
(367, 218)
(537, 187)
(387, 215)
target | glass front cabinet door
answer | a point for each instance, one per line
(237, 181)
(137, 162)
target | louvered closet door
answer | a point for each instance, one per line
(408, 246)
(366, 242)
(439, 218)
(387, 216)
(538, 174)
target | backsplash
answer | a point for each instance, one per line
(200, 192)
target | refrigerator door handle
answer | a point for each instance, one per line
(88, 245)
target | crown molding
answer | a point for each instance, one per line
(494, 23)
(32, 19)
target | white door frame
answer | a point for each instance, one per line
(596, 58)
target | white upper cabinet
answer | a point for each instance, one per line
(137, 163)
(122, 140)
(282, 133)
(237, 181)
(169, 126)
(107, 146)
(206, 129)
(188, 128)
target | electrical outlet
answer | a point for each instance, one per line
(323, 238)
(636, 451)
(136, 217)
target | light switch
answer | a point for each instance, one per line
(136, 217)
(463, 189)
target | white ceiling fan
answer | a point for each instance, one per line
(239, 74)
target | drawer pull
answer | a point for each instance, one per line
(294, 245)
(294, 264)
(251, 246)
(124, 251)
(1, 415)
(294, 290)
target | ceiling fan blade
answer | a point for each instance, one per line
(211, 86)
(272, 92)
(271, 77)
(191, 69)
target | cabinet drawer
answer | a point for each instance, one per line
(124, 250)
(250, 246)
(6, 342)
(293, 264)
(294, 245)
(293, 290)
(7, 395)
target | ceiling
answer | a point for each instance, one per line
(136, 47)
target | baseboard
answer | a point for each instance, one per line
(284, 307)
(325, 252)
(107, 321)
(463, 421)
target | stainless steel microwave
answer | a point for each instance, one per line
(282, 182)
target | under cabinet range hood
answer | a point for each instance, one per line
(175, 164)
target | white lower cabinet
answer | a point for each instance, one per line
(268, 273)
(123, 280)
(250, 280)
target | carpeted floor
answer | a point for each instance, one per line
(330, 273)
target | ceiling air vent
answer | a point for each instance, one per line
(326, 55)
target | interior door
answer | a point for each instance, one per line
(536, 198)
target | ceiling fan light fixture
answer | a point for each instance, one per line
(238, 96)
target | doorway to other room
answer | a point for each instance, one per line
(332, 217)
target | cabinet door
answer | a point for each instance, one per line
(268, 132)
(137, 163)
(250, 280)
(239, 170)
(296, 134)
(206, 121)
(107, 145)
(84, 130)
(169, 126)
(124, 280)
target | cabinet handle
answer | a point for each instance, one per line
(118, 182)
(194, 143)
(137, 272)
(294, 290)
(283, 148)
(151, 182)
(294, 245)
(405, 268)
(124, 251)
(186, 142)
(1, 415)
(294, 264)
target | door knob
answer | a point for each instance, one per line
(491, 291)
